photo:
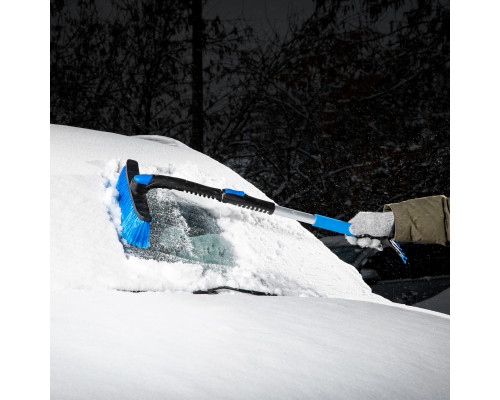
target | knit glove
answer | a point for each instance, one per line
(373, 224)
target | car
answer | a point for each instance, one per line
(424, 281)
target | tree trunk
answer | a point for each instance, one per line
(197, 77)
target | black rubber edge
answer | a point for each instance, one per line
(249, 202)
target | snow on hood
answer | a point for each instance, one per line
(271, 254)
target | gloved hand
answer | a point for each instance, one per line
(373, 224)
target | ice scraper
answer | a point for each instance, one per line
(133, 187)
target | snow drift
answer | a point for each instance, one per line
(179, 346)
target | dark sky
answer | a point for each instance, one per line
(261, 14)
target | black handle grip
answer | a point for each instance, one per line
(249, 202)
(148, 182)
(169, 182)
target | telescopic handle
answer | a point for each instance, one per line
(143, 183)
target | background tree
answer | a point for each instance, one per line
(197, 137)
(352, 111)
(347, 112)
(79, 89)
(138, 67)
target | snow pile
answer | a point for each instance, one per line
(264, 253)
(180, 346)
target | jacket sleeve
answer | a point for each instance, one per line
(426, 219)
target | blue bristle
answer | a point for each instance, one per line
(134, 230)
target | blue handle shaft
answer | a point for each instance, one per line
(331, 224)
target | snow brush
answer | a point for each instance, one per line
(133, 187)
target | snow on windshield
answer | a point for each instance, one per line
(183, 231)
(197, 243)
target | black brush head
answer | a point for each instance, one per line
(137, 192)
